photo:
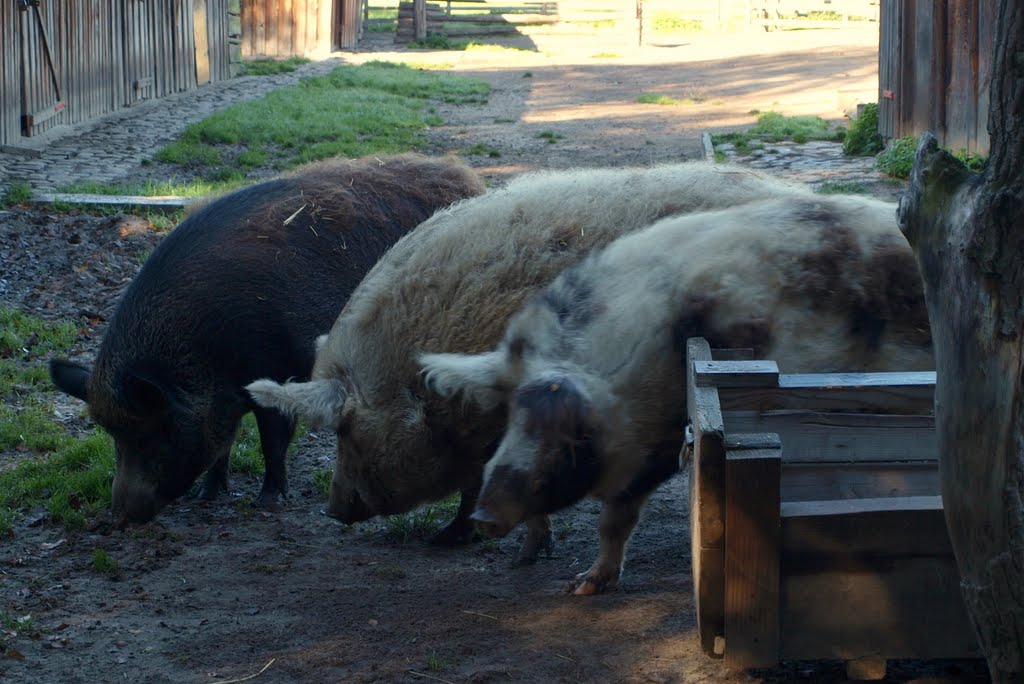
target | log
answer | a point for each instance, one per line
(967, 232)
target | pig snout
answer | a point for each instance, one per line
(345, 504)
(489, 526)
(135, 501)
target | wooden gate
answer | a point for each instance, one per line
(40, 85)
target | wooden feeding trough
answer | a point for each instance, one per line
(817, 522)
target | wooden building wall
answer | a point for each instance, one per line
(67, 62)
(934, 68)
(285, 28)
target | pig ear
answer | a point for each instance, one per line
(70, 378)
(557, 411)
(319, 401)
(144, 394)
(477, 376)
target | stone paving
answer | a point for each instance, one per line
(820, 164)
(107, 148)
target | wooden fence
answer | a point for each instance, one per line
(66, 62)
(284, 28)
(934, 68)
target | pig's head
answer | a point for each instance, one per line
(164, 436)
(387, 456)
(551, 453)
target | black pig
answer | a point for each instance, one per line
(238, 291)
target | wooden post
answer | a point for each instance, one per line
(202, 42)
(753, 471)
(967, 231)
(419, 11)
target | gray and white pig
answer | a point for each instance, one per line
(452, 286)
(238, 291)
(591, 371)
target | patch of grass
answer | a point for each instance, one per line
(501, 120)
(863, 139)
(842, 188)
(322, 481)
(26, 337)
(482, 150)
(660, 99)
(606, 55)
(974, 162)
(265, 568)
(71, 482)
(423, 522)
(774, 127)
(666, 22)
(246, 453)
(550, 136)
(719, 157)
(268, 66)
(150, 188)
(527, 74)
(437, 664)
(897, 159)
(104, 564)
(438, 41)
(17, 623)
(355, 110)
(18, 192)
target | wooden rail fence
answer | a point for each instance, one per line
(66, 62)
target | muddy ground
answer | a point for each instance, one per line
(219, 591)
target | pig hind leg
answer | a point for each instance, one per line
(276, 432)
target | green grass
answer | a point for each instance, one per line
(423, 522)
(68, 477)
(25, 337)
(482, 150)
(660, 99)
(863, 139)
(322, 481)
(774, 127)
(974, 162)
(550, 136)
(606, 55)
(150, 188)
(71, 482)
(268, 66)
(247, 454)
(666, 22)
(842, 188)
(18, 192)
(17, 623)
(104, 564)
(897, 159)
(354, 111)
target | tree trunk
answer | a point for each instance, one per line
(967, 231)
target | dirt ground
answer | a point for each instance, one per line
(213, 592)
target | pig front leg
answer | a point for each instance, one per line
(618, 518)
(216, 480)
(460, 530)
(276, 432)
(538, 538)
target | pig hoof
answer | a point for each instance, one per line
(457, 533)
(271, 500)
(211, 490)
(529, 552)
(585, 585)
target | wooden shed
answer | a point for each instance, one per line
(66, 62)
(286, 28)
(934, 67)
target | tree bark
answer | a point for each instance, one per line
(967, 231)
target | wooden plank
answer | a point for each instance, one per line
(302, 13)
(162, 203)
(870, 579)
(816, 437)
(752, 555)
(907, 393)
(202, 42)
(834, 481)
(736, 373)
(420, 19)
(707, 503)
